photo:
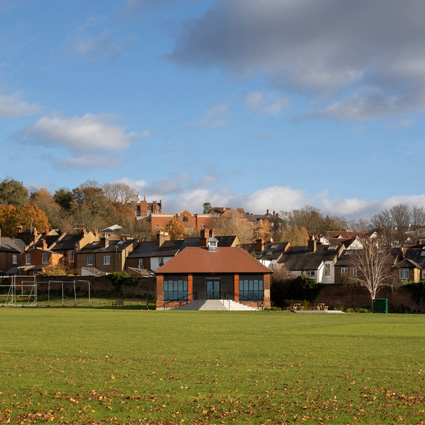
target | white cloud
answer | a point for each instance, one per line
(360, 61)
(278, 198)
(275, 198)
(11, 105)
(90, 162)
(94, 44)
(217, 116)
(89, 133)
(266, 103)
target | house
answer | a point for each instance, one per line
(270, 253)
(140, 258)
(313, 260)
(114, 232)
(106, 255)
(38, 257)
(10, 255)
(213, 272)
(70, 244)
(346, 263)
(151, 259)
(411, 267)
(145, 209)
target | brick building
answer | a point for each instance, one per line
(213, 273)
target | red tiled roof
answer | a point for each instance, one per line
(225, 260)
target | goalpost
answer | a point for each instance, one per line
(68, 292)
(18, 294)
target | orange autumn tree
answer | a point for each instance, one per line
(13, 219)
(176, 230)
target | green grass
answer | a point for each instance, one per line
(116, 366)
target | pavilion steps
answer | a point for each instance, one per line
(215, 305)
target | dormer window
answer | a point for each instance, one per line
(212, 244)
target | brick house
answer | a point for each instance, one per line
(213, 273)
(106, 255)
(70, 244)
(10, 254)
(36, 259)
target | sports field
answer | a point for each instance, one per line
(93, 366)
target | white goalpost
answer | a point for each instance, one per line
(68, 293)
(18, 294)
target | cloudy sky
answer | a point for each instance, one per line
(261, 104)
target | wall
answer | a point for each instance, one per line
(350, 296)
(100, 286)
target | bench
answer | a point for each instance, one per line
(295, 307)
(319, 306)
(118, 303)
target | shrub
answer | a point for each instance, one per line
(122, 278)
(305, 288)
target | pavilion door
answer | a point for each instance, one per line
(213, 289)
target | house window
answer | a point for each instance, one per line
(89, 260)
(353, 271)
(311, 273)
(344, 271)
(106, 260)
(423, 274)
(175, 289)
(404, 274)
(27, 259)
(160, 261)
(251, 289)
(44, 258)
(70, 256)
(140, 263)
(185, 218)
(327, 269)
(14, 259)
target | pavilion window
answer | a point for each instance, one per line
(251, 288)
(175, 289)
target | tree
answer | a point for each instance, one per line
(372, 268)
(263, 230)
(418, 221)
(64, 198)
(296, 236)
(230, 225)
(120, 193)
(396, 221)
(14, 218)
(13, 192)
(139, 229)
(207, 207)
(176, 230)
(58, 218)
(92, 209)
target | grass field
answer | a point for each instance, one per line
(114, 366)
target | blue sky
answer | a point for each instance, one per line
(262, 104)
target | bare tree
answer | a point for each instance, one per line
(372, 268)
(400, 215)
(418, 221)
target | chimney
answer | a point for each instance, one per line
(259, 245)
(105, 241)
(202, 238)
(267, 213)
(312, 244)
(96, 232)
(162, 237)
(43, 244)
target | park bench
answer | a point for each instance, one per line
(118, 303)
(319, 306)
(295, 307)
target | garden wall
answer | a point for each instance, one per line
(100, 286)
